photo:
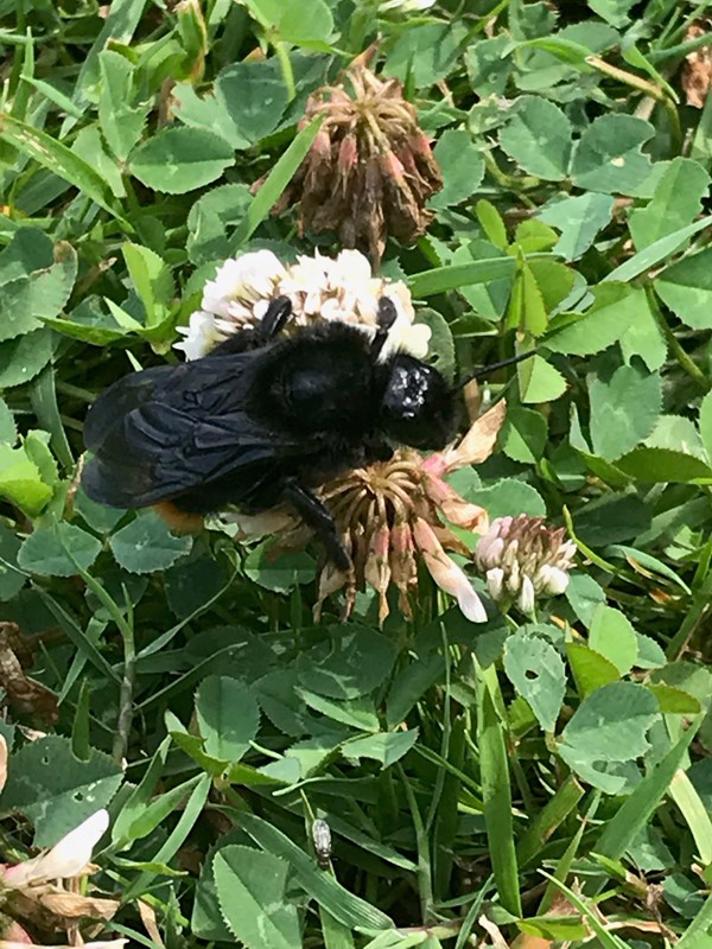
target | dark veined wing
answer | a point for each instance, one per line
(161, 432)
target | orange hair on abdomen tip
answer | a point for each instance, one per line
(180, 522)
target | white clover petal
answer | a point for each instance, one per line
(554, 580)
(399, 338)
(310, 275)
(351, 266)
(219, 292)
(567, 553)
(399, 293)
(492, 549)
(260, 308)
(495, 579)
(201, 335)
(513, 578)
(412, 338)
(450, 578)
(66, 859)
(532, 557)
(526, 595)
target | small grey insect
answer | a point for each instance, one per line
(321, 838)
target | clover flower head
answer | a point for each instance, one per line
(319, 288)
(370, 170)
(393, 515)
(523, 558)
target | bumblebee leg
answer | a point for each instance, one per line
(316, 516)
(274, 320)
(271, 324)
(387, 315)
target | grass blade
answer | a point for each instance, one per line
(57, 158)
(425, 881)
(636, 810)
(607, 939)
(336, 935)
(496, 789)
(350, 910)
(440, 279)
(276, 182)
(684, 794)
(549, 818)
(697, 935)
(472, 915)
(176, 838)
(657, 251)
(76, 634)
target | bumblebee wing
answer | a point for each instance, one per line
(158, 437)
(119, 399)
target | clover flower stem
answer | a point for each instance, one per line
(285, 64)
(123, 724)
(651, 89)
(683, 360)
(447, 720)
(124, 624)
(512, 183)
(485, 20)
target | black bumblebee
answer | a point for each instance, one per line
(264, 419)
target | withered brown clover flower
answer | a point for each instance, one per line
(370, 170)
(392, 514)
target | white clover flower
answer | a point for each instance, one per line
(66, 859)
(522, 558)
(319, 288)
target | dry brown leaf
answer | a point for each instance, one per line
(560, 906)
(478, 444)
(148, 918)
(472, 394)
(697, 72)
(525, 941)
(28, 695)
(493, 931)
(75, 906)
(643, 926)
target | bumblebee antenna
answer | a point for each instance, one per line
(493, 366)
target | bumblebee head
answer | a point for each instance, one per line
(419, 408)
